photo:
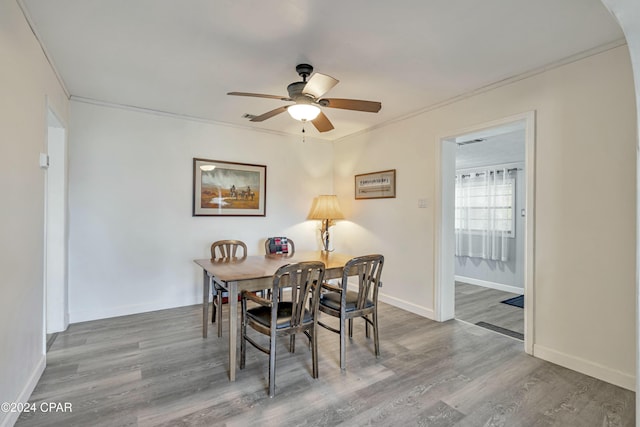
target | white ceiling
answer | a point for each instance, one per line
(182, 57)
(493, 149)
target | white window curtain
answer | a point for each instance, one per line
(484, 222)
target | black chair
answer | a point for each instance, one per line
(339, 302)
(221, 250)
(279, 246)
(276, 317)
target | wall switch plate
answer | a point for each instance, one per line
(44, 160)
(422, 203)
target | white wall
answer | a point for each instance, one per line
(627, 12)
(26, 85)
(132, 236)
(584, 269)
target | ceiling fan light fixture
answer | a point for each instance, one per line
(303, 112)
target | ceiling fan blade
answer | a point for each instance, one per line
(352, 104)
(260, 95)
(319, 84)
(322, 123)
(269, 114)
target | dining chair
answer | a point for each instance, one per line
(338, 301)
(277, 317)
(220, 250)
(279, 246)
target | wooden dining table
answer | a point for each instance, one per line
(253, 273)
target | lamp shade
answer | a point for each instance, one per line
(326, 207)
(303, 112)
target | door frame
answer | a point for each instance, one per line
(444, 297)
(56, 226)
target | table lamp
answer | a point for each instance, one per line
(326, 209)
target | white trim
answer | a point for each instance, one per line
(55, 316)
(134, 108)
(45, 51)
(125, 310)
(408, 306)
(444, 246)
(586, 367)
(10, 418)
(529, 235)
(444, 297)
(400, 303)
(493, 285)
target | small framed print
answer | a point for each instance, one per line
(376, 185)
(228, 189)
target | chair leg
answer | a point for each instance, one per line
(343, 343)
(366, 326)
(314, 351)
(376, 342)
(272, 366)
(292, 343)
(219, 314)
(243, 334)
(350, 328)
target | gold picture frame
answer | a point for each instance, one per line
(376, 185)
(223, 188)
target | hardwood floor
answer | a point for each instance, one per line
(476, 304)
(155, 369)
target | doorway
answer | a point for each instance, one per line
(56, 229)
(522, 276)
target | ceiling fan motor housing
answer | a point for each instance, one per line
(304, 70)
(295, 93)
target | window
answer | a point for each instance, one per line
(485, 202)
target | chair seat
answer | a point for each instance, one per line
(332, 300)
(262, 315)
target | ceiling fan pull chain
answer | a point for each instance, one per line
(303, 131)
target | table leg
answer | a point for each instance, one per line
(233, 328)
(206, 283)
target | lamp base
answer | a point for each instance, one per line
(325, 235)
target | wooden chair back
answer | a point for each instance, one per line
(369, 270)
(304, 280)
(228, 249)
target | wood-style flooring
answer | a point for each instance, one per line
(155, 369)
(475, 304)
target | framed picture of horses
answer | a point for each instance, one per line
(228, 189)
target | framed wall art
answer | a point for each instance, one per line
(228, 189)
(376, 185)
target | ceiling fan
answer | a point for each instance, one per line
(307, 98)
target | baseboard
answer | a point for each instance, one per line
(8, 419)
(125, 310)
(492, 285)
(409, 306)
(586, 367)
(397, 302)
